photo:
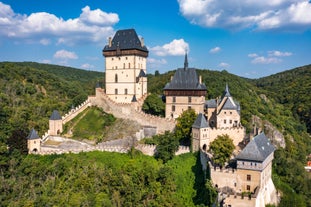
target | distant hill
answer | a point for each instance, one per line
(29, 92)
(292, 88)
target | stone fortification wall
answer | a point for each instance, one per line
(149, 149)
(237, 134)
(49, 150)
(131, 111)
(74, 112)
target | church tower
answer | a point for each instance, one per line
(125, 63)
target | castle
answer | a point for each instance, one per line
(126, 85)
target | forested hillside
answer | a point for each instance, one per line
(29, 92)
(291, 88)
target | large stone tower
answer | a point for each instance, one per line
(125, 63)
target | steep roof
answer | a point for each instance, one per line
(258, 149)
(230, 104)
(185, 79)
(226, 92)
(55, 115)
(200, 122)
(142, 73)
(134, 99)
(33, 135)
(211, 103)
(126, 39)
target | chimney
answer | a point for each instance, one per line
(142, 42)
(200, 79)
(110, 41)
(171, 78)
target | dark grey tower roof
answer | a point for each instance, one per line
(142, 73)
(185, 80)
(134, 99)
(55, 116)
(126, 39)
(200, 122)
(33, 135)
(226, 92)
(258, 149)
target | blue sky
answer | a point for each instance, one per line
(250, 39)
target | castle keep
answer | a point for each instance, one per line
(125, 63)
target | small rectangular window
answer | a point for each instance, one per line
(116, 91)
(248, 187)
(189, 99)
(248, 177)
(125, 91)
(174, 99)
(173, 108)
(225, 121)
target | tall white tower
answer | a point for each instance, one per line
(125, 63)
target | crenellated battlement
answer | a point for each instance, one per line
(74, 112)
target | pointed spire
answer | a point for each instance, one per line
(134, 99)
(33, 134)
(186, 61)
(226, 92)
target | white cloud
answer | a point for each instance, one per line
(277, 53)
(157, 61)
(98, 17)
(252, 55)
(91, 26)
(64, 54)
(265, 60)
(215, 50)
(87, 66)
(174, 48)
(254, 14)
(45, 41)
(223, 65)
(272, 57)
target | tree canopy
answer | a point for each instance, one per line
(184, 126)
(154, 105)
(221, 148)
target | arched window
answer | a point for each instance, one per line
(116, 78)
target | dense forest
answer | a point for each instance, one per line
(29, 92)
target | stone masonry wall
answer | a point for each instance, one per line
(131, 111)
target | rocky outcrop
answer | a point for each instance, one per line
(277, 138)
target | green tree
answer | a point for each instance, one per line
(154, 105)
(184, 126)
(221, 148)
(167, 146)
